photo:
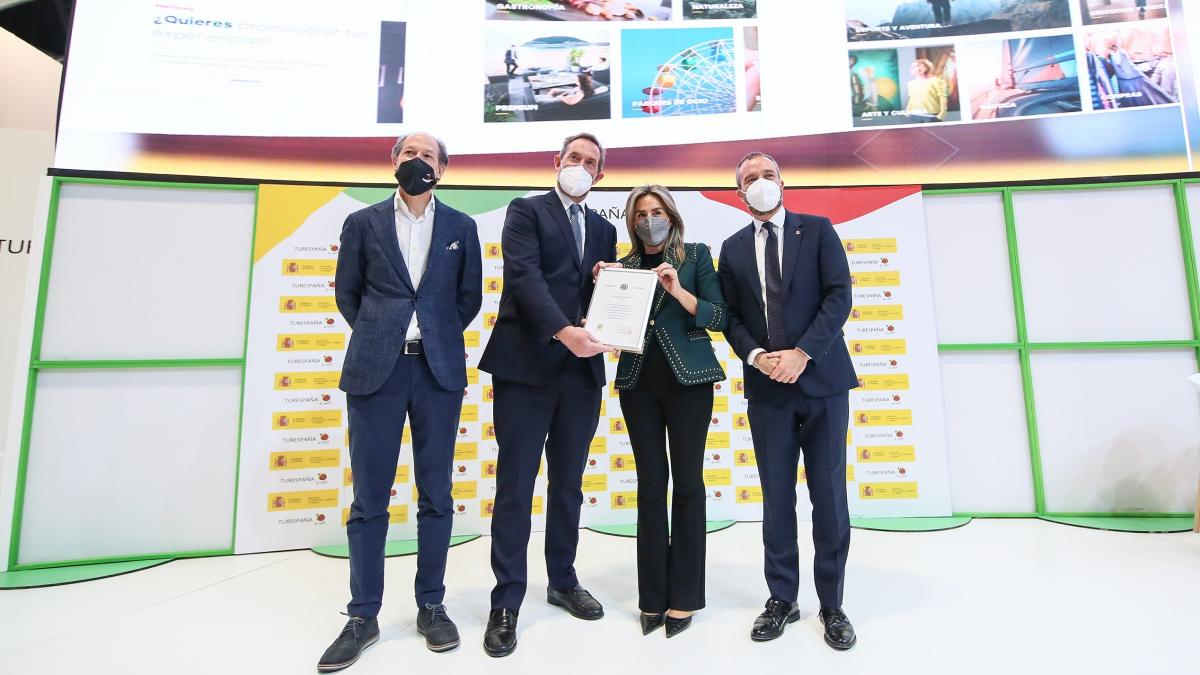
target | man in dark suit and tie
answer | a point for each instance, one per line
(408, 281)
(548, 379)
(787, 284)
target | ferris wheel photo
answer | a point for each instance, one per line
(679, 72)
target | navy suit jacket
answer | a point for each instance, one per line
(377, 296)
(817, 297)
(546, 289)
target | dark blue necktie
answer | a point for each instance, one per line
(577, 228)
(776, 333)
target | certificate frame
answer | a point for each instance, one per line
(620, 309)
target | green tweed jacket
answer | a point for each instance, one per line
(683, 338)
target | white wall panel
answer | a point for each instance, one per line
(129, 462)
(1102, 264)
(1120, 431)
(148, 273)
(968, 254)
(986, 432)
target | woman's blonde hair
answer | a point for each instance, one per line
(674, 237)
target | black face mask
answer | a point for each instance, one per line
(415, 176)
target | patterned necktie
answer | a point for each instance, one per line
(577, 228)
(776, 334)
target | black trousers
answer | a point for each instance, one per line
(376, 427)
(941, 11)
(670, 563)
(561, 420)
(783, 427)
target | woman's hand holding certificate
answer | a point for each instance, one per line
(620, 307)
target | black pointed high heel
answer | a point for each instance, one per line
(651, 622)
(676, 626)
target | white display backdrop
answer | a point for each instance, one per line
(170, 270)
(1102, 265)
(969, 250)
(1097, 265)
(1125, 430)
(131, 462)
(137, 461)
(987, 437)
(295, 487)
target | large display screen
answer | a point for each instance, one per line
(842, 91)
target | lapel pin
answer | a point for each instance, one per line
(453, 246)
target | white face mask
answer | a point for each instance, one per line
(574, 180)
(763, 195)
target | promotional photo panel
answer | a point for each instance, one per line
(742, 9)
(1113, 11)
(678, 72)
(391, 72)
(1021, 77)
(538, 75)
(909, 85)
(901, 19)
(750, 56)
(1132, 66)
(578, 10)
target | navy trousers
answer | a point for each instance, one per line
(562, 419)
(376, 428)
(782, 428)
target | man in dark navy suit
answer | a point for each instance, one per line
(548, 378)
(408, 281)
(787, 284)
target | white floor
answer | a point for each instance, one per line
(998, 596)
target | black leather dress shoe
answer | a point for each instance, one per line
(500, 639)
(777, 615)
(441, 635)
(360, 632)
(839, 634)
(676, 626)
(651, 622)
(577, 601)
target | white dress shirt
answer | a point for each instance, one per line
(760, 257)
(414, 233)
(567, 203)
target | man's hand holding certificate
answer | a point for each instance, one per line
(620, 309)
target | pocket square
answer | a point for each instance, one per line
(453, 246)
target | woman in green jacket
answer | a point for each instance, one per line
(666, 393)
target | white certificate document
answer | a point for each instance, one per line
(621, 307)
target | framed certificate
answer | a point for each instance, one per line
(621, 307)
